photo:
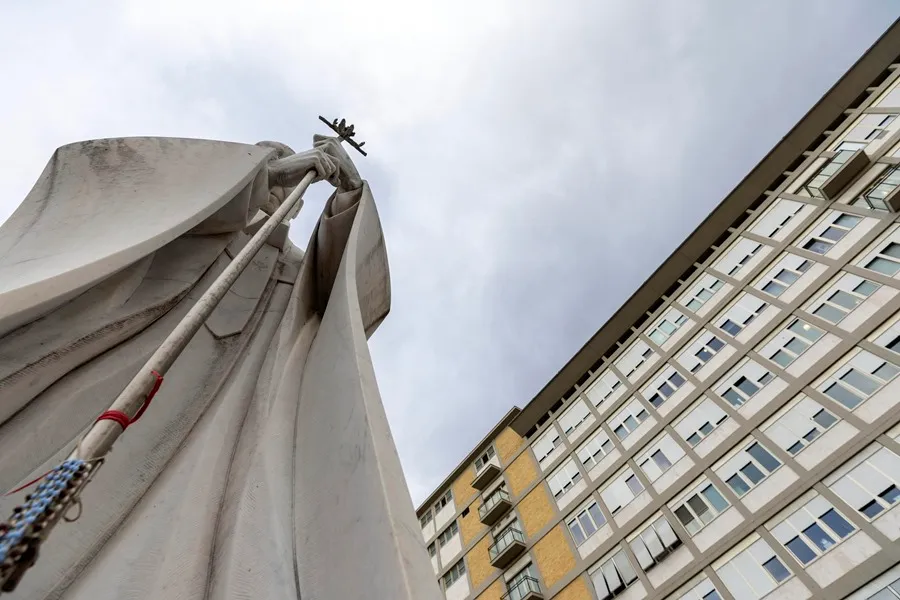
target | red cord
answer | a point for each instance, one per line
(121, 418)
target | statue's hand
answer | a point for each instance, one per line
(347, 177)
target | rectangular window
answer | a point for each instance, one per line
(801, 425)
(875, 195)
(705, 590)
(700, 351)
(886, 261)
(444, 501)
(633, 358)
(753, 572)
(705, 288)
(737, 256)
(813, 185)
(776, 217)
(432, 549)
(593, 451)
(603, 387)
(663, 386)
(628, 419)
(425, 519)
(783, 274)
(447, 534)
(585, 522)
(455, 572)
(621, 490)
(748, 468)
(612, 575)
(740, 314)
(842, 298)
(700, 507)
(667, 326)
(839, 225)
(791, 342)
(701, 421)
(577, 414)
(858, 379)
(743, 382)
(812, 530)
(484, 458)
(564, 478)
(659, 456)
(888, 592)
(872, 485)
(546, 444)
(654, 543)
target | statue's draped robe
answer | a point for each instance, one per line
(264, 467)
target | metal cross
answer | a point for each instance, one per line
(345, 132)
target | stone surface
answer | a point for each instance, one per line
(265, 465)
(521, 473)
(553, 556)
(536, 510)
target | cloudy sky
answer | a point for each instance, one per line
(533, 161)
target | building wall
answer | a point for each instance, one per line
(767, 379)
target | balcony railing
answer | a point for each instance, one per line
(526, 588)
(494, 507)
(506, 547)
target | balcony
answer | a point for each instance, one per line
(506, 548)
(525, 589)
(486, 474)
(494, 507)
(841, 173)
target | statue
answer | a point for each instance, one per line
(264, 467)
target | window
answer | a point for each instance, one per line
(886, 261)
(802, 424)
(872, 483)
(784, 274)
(875, 195)
(432, 549)
(843, 297)
(544, 447)
(705, 289)
(603, 387)
(888, 592)
(577, 414)
(522, 583)
(612, 575)
(748, 468)
(659, 456)
(813, 185)
(812, 530)
(741, 314)
(667, 326)
(700, 507)
(448, 534)
(593, 451)
(628, 419)
(564, 478)
(822, 242)
(455, 572)
(633, 358)
(776, 217)
(425, 519)
(585, 522)
(890, 338)
(791, 342)
(700, 351)
(663, 386)
(737, 256)
(753, 572)
(621, 490)
(444, 501)
(700, 421)
(859, 378)
(654, 543)
(851, 146)
(484, 458)
(705, 590)
(743, 382)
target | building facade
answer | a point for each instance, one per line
(733, 431)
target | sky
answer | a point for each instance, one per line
(533, 162)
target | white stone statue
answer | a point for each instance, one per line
(264, 467)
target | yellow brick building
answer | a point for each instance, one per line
(733, 431)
